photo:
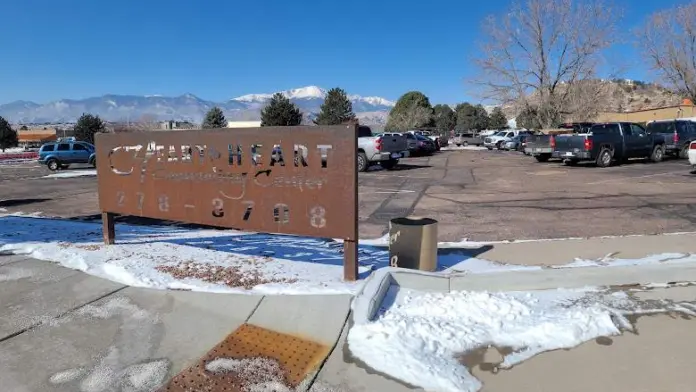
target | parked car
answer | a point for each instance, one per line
(434, 138)
(412, 144)
(692, 157)
(498, 140)
(539, 145)
(385, 150)
(516, 143)
(426, 146)
(468, 138)
(60, 155)
(609, 142)
(678, 135)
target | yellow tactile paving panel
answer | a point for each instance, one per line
(297, 358)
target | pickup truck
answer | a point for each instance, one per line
(540, 145)
(678, 135)
(608, 142)
(386, 149)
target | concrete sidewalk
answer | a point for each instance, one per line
(63, 330)
(559, 252)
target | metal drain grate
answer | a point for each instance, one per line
(297, 357)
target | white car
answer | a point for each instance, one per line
(692, 156)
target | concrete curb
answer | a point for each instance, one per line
(368, 300)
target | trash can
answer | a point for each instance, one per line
(413, 243)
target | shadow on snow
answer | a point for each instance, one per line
(16, 229)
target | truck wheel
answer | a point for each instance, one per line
(52, 165)
(490, 148)
(542, 158)
(499, 145)
(684, 152)
(390, 164)
(657, 154)
(362, 162)
(604, 158)
(571, 162)
(94, 163)
(459, 144)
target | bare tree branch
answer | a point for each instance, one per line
(544, 54)
(669, 40)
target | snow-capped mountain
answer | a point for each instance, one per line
(186, 107)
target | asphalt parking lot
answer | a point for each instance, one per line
(480, 195)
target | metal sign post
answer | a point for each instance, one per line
(286, 180)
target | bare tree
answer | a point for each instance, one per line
(669, 40)
(544, 55)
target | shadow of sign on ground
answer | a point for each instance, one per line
(16, 229)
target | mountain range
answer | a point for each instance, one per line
(187, 107)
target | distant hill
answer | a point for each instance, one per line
(188, 107)
(624, 95)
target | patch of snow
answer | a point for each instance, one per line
(67, 376)
(452, 147)
(609, 261)
(73, 174)
(144, 376)
(14, 274)
(12, 150)
(420, 339)
(256, 374)
(259, 375)
(141, 254)
(480, 266)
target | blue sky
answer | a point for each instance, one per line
(219, 49)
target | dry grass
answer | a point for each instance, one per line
(229, 276)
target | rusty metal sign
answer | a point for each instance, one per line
(288, 180)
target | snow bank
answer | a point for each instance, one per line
(421, 337)
(73, 174)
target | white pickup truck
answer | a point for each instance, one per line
(386, 149)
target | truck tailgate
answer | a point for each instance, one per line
(538, 144)
(394, 143)
(568, 143)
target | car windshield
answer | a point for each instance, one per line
(420, 137)
(501, 133)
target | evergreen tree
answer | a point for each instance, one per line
(8, 136)
(214, 119)
(280, 112)
(336, 109)
(498, 119)
(87, 126)
(465, 113)
(444, 117)
(481, 119)
(471, 118)
(412, 111)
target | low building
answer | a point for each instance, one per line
(36, 137)
(685, 110)
(243, 124)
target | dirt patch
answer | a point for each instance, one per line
(229, 276)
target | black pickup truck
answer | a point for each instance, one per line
(607, 142)
(540, 145)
